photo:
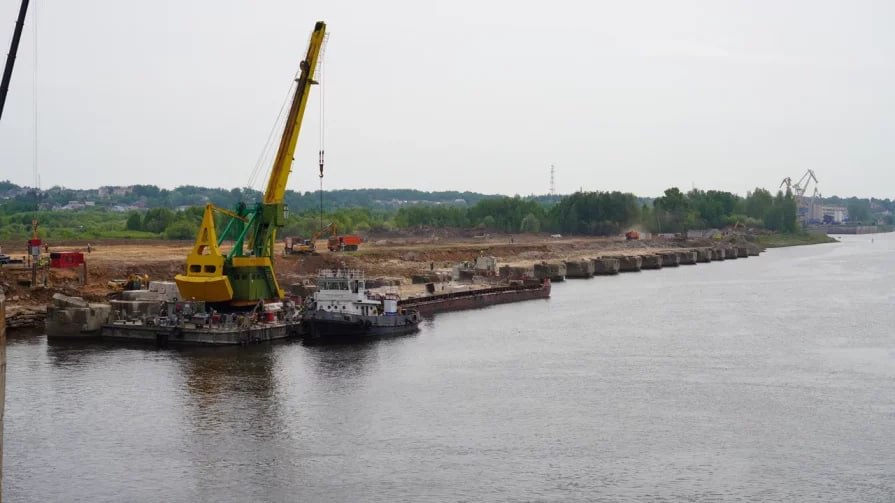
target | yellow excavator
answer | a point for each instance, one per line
(245, 275)
(299, 246)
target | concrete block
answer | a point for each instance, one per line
(509, 272)
(670, 259)
(63, 301)
(687, 257)
(652, 262)
(605, 266)
(703, 254)
(553, 270)
(581, 269)
(630, 263)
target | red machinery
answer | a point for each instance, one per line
(348, 242)
(62, 260)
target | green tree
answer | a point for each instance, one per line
(858, 211)
(672, 211)
(758, 203)
(134, 222)
(789, 213)
(182, 229)
(595, 213)
(157, 219)
(531, 224)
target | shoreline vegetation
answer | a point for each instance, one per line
(149, 212)
(783, 240)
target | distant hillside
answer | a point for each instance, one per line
(126, 198)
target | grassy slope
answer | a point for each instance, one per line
(805, 238)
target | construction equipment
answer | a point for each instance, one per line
(133, 282)
(348, 242)
(299, 246)
(632, 235)
(245, 275)
(34, 244)
(11, 56)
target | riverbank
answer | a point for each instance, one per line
(395, 262)
(783, 240)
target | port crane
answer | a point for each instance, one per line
(245, 275)
(800, 188)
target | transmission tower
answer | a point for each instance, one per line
(552, 180)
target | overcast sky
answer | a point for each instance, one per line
(460, 95)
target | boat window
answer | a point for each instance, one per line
(354, 286)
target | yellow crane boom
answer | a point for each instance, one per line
(246, 275)
(282, 166)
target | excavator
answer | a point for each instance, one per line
(299, 246)
(244, 276)
(334, 243)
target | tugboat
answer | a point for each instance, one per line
(341, 310)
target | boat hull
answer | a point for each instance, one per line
(325, 327)
(199, 336)
(476, 299)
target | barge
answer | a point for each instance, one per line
(192, 334)
(475, 299)
(190, 323)
(156, 316)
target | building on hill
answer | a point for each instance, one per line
(109, 191)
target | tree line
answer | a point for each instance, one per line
(583, 213)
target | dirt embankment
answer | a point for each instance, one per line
(397, 257)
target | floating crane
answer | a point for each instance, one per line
(245, 275)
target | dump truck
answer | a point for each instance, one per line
(348, 242)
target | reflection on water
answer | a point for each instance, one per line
(763, 379)
(342, 360)
(24, 336)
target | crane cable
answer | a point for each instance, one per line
(322, 132)
(266, 148)
(35, 172)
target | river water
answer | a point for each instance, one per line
(767, 379)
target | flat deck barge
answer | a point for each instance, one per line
(476, 299)
(191, 334)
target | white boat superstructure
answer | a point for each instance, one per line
(342, 308)
(344, 291)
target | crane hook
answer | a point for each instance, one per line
(321, 164)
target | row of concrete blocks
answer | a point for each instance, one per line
(557, 271)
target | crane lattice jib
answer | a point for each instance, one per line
(245, 277)
(276, 185)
